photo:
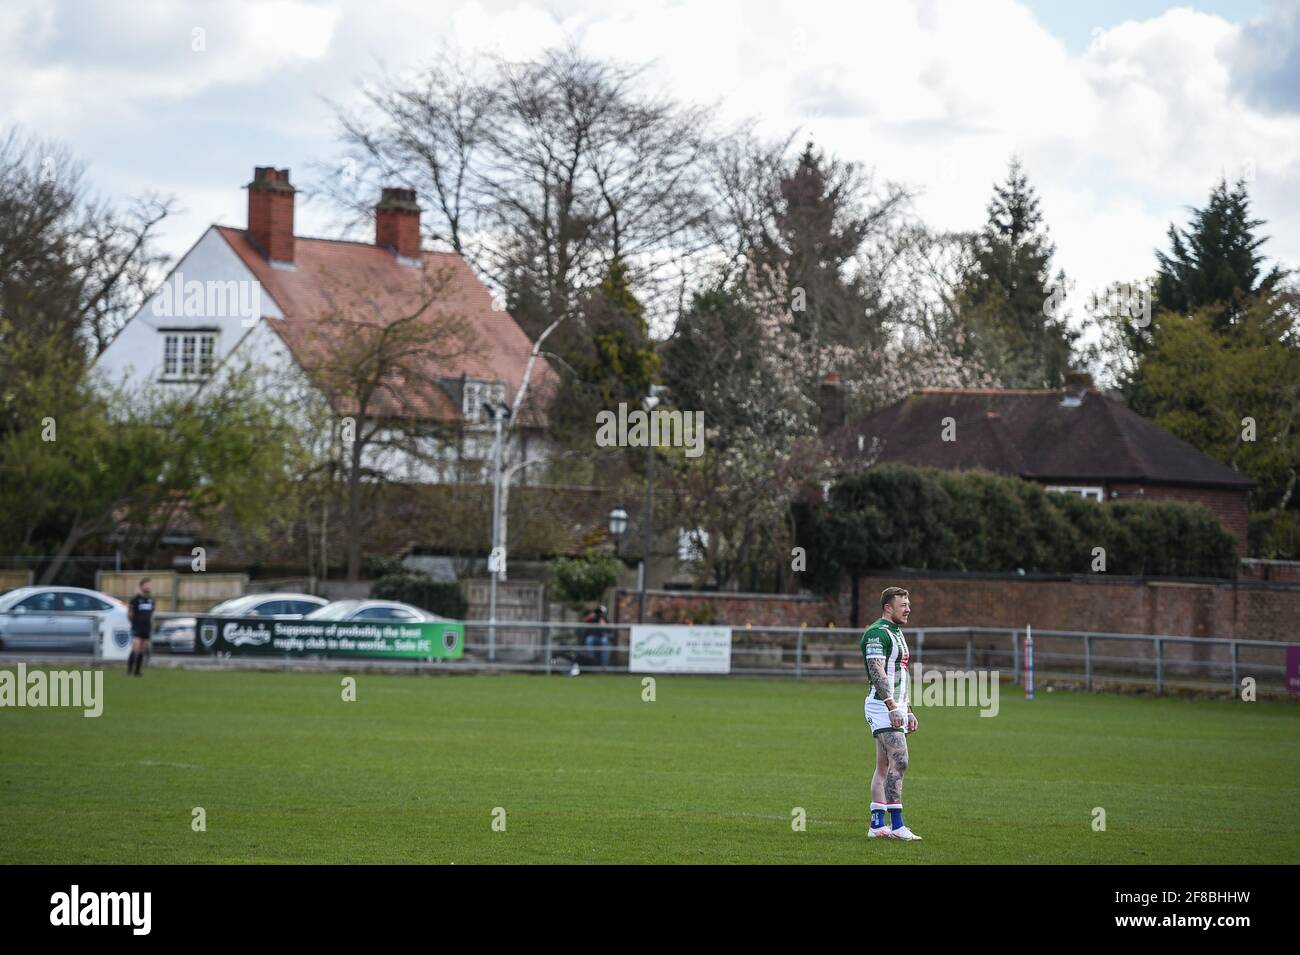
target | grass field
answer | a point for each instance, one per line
(588, 772)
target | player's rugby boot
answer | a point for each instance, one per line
(905, 834)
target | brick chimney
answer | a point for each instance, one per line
(1077, 380)
(1077, 384)
(397, 223)
(830, 404)
(270, 213)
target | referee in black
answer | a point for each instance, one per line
(140, 613)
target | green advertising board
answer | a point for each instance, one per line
(390, 639)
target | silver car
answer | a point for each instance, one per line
(56, 618)
(374, 610)
(177, 633)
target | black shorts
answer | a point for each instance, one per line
(141, 636)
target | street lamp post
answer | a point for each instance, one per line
(495, 558)
(617, 526)
(649, 402)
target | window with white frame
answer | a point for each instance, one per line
(476, 394)
(472, 401)
(188, 355)
(1091, 493)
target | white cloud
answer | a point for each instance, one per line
(1119, 139)
(97, 58)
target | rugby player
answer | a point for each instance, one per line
(889, 713)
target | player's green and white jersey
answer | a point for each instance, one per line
(884, 641)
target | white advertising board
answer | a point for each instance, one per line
(679, 649)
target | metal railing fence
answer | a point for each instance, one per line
(1088, 659)
(1076, 658)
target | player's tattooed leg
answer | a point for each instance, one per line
(895, 745)
(882, 768)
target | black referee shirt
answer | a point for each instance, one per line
(142, 616)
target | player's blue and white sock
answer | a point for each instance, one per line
(877, 815)
(895, 815)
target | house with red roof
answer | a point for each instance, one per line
(293, 304)
(1074, 440)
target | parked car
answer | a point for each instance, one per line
(177, 633)
(374, 610)
(56, 618)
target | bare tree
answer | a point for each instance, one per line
(585, 169)
(117, 264)
(429, 133)
(921, 271)
(741, 171)
(73, 268)
(542, 172)
(379, 361)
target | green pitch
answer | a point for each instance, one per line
(588, 772)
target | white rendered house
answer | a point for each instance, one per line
(284, 303)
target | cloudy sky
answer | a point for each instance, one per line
(1123, 113)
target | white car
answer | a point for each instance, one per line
(59, 618)
(177, 633)
(374, 610)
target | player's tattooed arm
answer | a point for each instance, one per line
(876, 672)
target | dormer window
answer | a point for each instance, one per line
(476, 393)
(187, 355)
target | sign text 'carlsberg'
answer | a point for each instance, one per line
(341, 638)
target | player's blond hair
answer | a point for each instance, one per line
(889, 593)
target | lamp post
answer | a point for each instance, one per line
(649, 402)
(496, 559)
(617, 526)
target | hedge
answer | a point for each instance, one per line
(580, 580)
(899, 517)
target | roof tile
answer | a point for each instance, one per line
(335, 284)
(1034, 435)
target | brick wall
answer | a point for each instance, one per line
(775, 610)
(1285, 570)
(1232, 508)
(1245, 609)
(1248, 610)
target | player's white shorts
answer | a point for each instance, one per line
(878, 716)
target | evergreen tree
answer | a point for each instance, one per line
(816, 235)
(820, 217)
(626, 362)
(1213, 268)
(1007, 296)
(606, 356)
(1215, 262)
